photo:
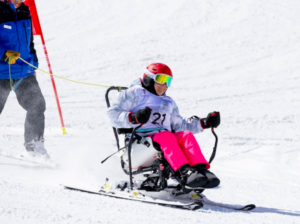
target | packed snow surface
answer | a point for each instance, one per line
(237, 57)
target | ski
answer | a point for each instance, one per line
(47, 164)
(200, 197)
(194, 196)
(206, 201)
(136, 195)
(191, 201)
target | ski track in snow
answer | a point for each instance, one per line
(240, 58)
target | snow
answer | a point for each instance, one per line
(238, 57)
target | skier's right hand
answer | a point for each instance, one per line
(141, 116)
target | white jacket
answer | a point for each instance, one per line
(164, 115)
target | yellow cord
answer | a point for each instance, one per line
(70, 80)
(9, 60)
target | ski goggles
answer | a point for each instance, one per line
(160, 78)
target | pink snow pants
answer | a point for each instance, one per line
(180, 148)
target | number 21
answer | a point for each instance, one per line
(158, 117)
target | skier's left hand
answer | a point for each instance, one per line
(213, 120)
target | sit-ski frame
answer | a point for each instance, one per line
(119, 131)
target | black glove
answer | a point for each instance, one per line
(141, 116)
(213, 120)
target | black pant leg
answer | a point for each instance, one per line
(30, 97)
(4, 92)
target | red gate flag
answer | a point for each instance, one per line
(37, 30)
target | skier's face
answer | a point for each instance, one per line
(16, 3)
(160, 89)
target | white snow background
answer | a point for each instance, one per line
(241, 58)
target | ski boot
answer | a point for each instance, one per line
(212, 180)
(36, 148)
(189, 180)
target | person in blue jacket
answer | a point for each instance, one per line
(16, 40)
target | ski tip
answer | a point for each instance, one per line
(247, 207)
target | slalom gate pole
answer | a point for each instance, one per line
(37, 30)
(54, 86)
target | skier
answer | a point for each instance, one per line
(146, 103)
(16, 38)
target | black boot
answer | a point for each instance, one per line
(190, 178)
(212, 180)
(182, 173)
(196, 180)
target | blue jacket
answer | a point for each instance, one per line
(16, 35)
